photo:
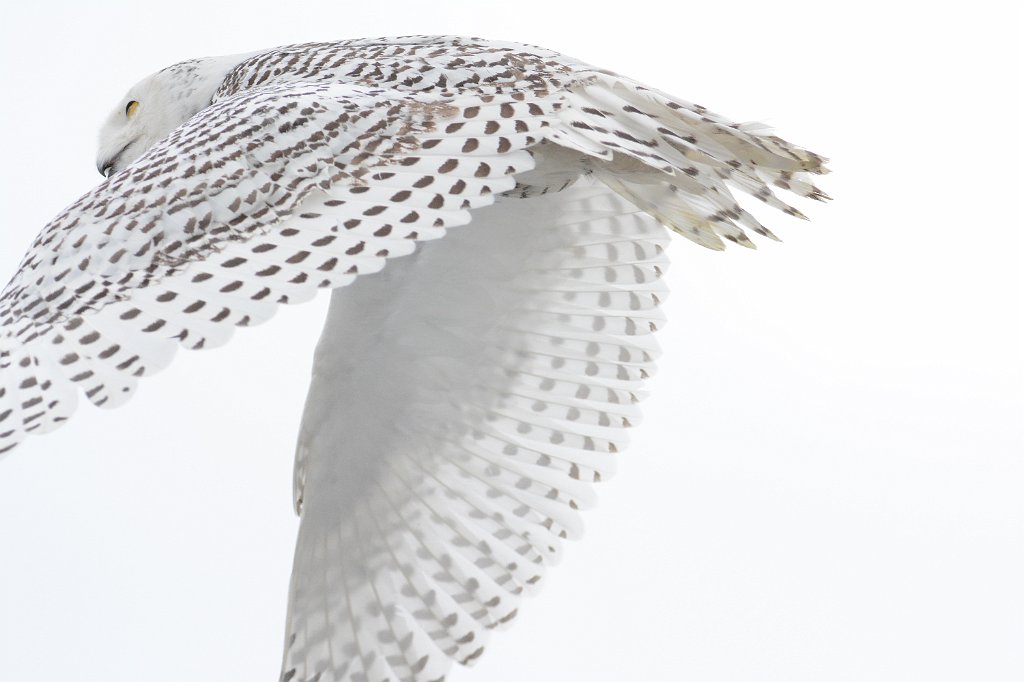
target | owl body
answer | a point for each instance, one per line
(491, 219)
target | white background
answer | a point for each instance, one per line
(828, 483)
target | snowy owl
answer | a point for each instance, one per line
(470, 383)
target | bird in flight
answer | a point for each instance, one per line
(491, 219)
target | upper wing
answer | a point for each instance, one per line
(259, 199)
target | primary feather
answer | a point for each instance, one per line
(464, 397)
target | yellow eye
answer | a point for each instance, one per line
(132, 107)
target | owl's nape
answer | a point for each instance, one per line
(468, 393)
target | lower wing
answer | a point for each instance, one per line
(462, 402)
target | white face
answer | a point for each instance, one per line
(136, 124)
(157, 105)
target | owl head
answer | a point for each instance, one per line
(157, 105)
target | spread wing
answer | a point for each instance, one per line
(258, 200)
(464, 400)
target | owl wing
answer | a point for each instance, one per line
(464, 401)
(260, 199)
(462, 404)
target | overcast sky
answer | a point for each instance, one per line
(827, 485)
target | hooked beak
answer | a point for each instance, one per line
(108, 167)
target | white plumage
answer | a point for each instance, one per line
(463, 396)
